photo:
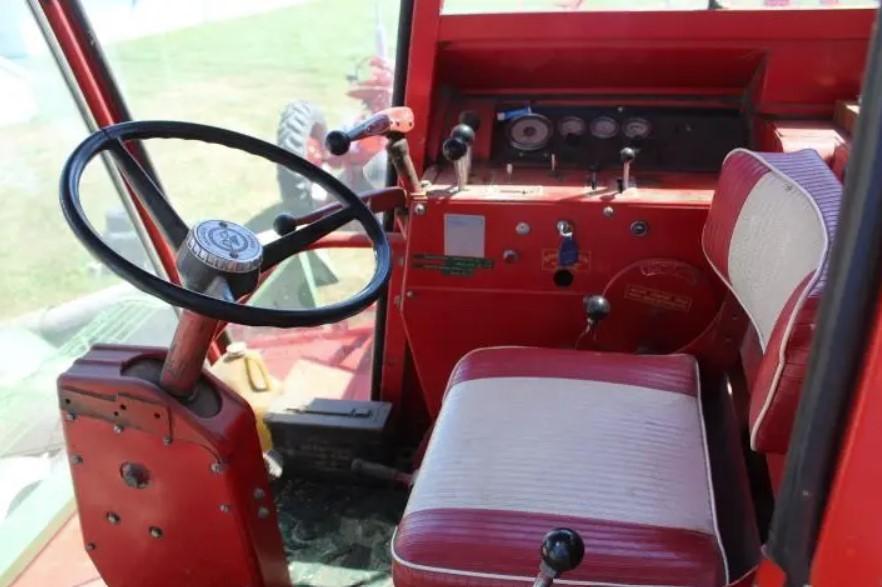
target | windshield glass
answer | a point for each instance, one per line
(515, 6)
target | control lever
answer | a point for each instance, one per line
(597, 308)
(627, 155)
(458, 147)
(392, 123)
(562, 551)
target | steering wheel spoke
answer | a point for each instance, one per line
(173, 228)
(298, 240)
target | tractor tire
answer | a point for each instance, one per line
(300, 122)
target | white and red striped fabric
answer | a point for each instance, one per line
(529, 439)
(768, 235)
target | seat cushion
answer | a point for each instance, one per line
(527, 440)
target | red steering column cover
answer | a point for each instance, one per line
(167, 496)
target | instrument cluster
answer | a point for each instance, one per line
(666, 138)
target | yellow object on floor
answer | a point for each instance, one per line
(245, 372)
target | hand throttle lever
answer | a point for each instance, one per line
(457, 148)
(392, 123)
(562, 551)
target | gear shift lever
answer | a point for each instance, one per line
(562, 551)
(596, 309)
(627, 156)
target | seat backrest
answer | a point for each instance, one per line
(768, 234)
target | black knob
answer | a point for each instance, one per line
(463, 132)
(284, 223)
(454, 149)
(471, 118)
(627, 154)
(597, 308)
(562, 550)
(337, 142)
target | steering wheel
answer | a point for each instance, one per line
(219, 261)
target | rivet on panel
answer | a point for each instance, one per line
(70, 416)
(608, 211)
(155, 532)
(409, 293)
(262, 513)
(113, 518)
(76, 459)
(117, 429)
(419, 209)
(217, 468)
(522, 228)
(90, 546)
(259, 493)
(166, 440)
(225, 508)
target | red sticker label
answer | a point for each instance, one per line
(549, 262)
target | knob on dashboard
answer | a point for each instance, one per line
(454, 149)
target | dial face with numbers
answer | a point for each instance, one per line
(637, 128)
(604, 127)
(529, 132)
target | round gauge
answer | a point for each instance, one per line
(604, 127)
(529, 132)
(571, 125)
(637, 128)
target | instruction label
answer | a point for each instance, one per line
(658, 298)
(550, 258)
(450, 264)
(464, 235)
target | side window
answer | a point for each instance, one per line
(56, 299)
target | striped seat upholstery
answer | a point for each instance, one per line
(615, 446)
(767, 235)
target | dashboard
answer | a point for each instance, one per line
(591, 137)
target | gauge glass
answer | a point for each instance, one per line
(637, 128)
(604, 127)
(530, 132)
(571, 125)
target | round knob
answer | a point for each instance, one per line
(454, 149)
(337, 142)
(562, 550)
(284, 223)
(471, 118)
(597, 308)
(627, 154)
(463, 132)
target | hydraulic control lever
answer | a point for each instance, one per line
(562, 551)
(596, 309)
(392, 123)
(458, 147)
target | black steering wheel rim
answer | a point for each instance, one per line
(175, 295)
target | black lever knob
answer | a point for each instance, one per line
(464, 133)
(284, 223)
(597, 308)
(627, 154)
(471, 118)
(454, 149)
(562, 550)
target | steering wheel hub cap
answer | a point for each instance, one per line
(225, 246)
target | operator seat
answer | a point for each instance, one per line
(616, 446)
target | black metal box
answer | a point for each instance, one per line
(324, 436)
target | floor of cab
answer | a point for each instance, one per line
(338, 534)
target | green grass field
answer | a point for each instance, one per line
(236, 73)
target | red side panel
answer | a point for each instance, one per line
(166, 496)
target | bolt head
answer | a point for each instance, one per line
(225, 508)
(76, 459)
(70, 416)
(259, 493)
(166, 440)
(419, 209)
(409, 293)
(90, 546)
(117, 429)
(155, 532)
(522, 229)
(217, 468)
(113, 518)
(263, 512)
(608, 211)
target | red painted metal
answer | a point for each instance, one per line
(183, 363)
(179, 488)
(518, 303)
(421, 73)
(848, 547)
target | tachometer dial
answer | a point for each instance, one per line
(571, 125)
(604, 127)
(529, 132)
(637, 128)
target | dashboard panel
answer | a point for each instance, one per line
(591, 137)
